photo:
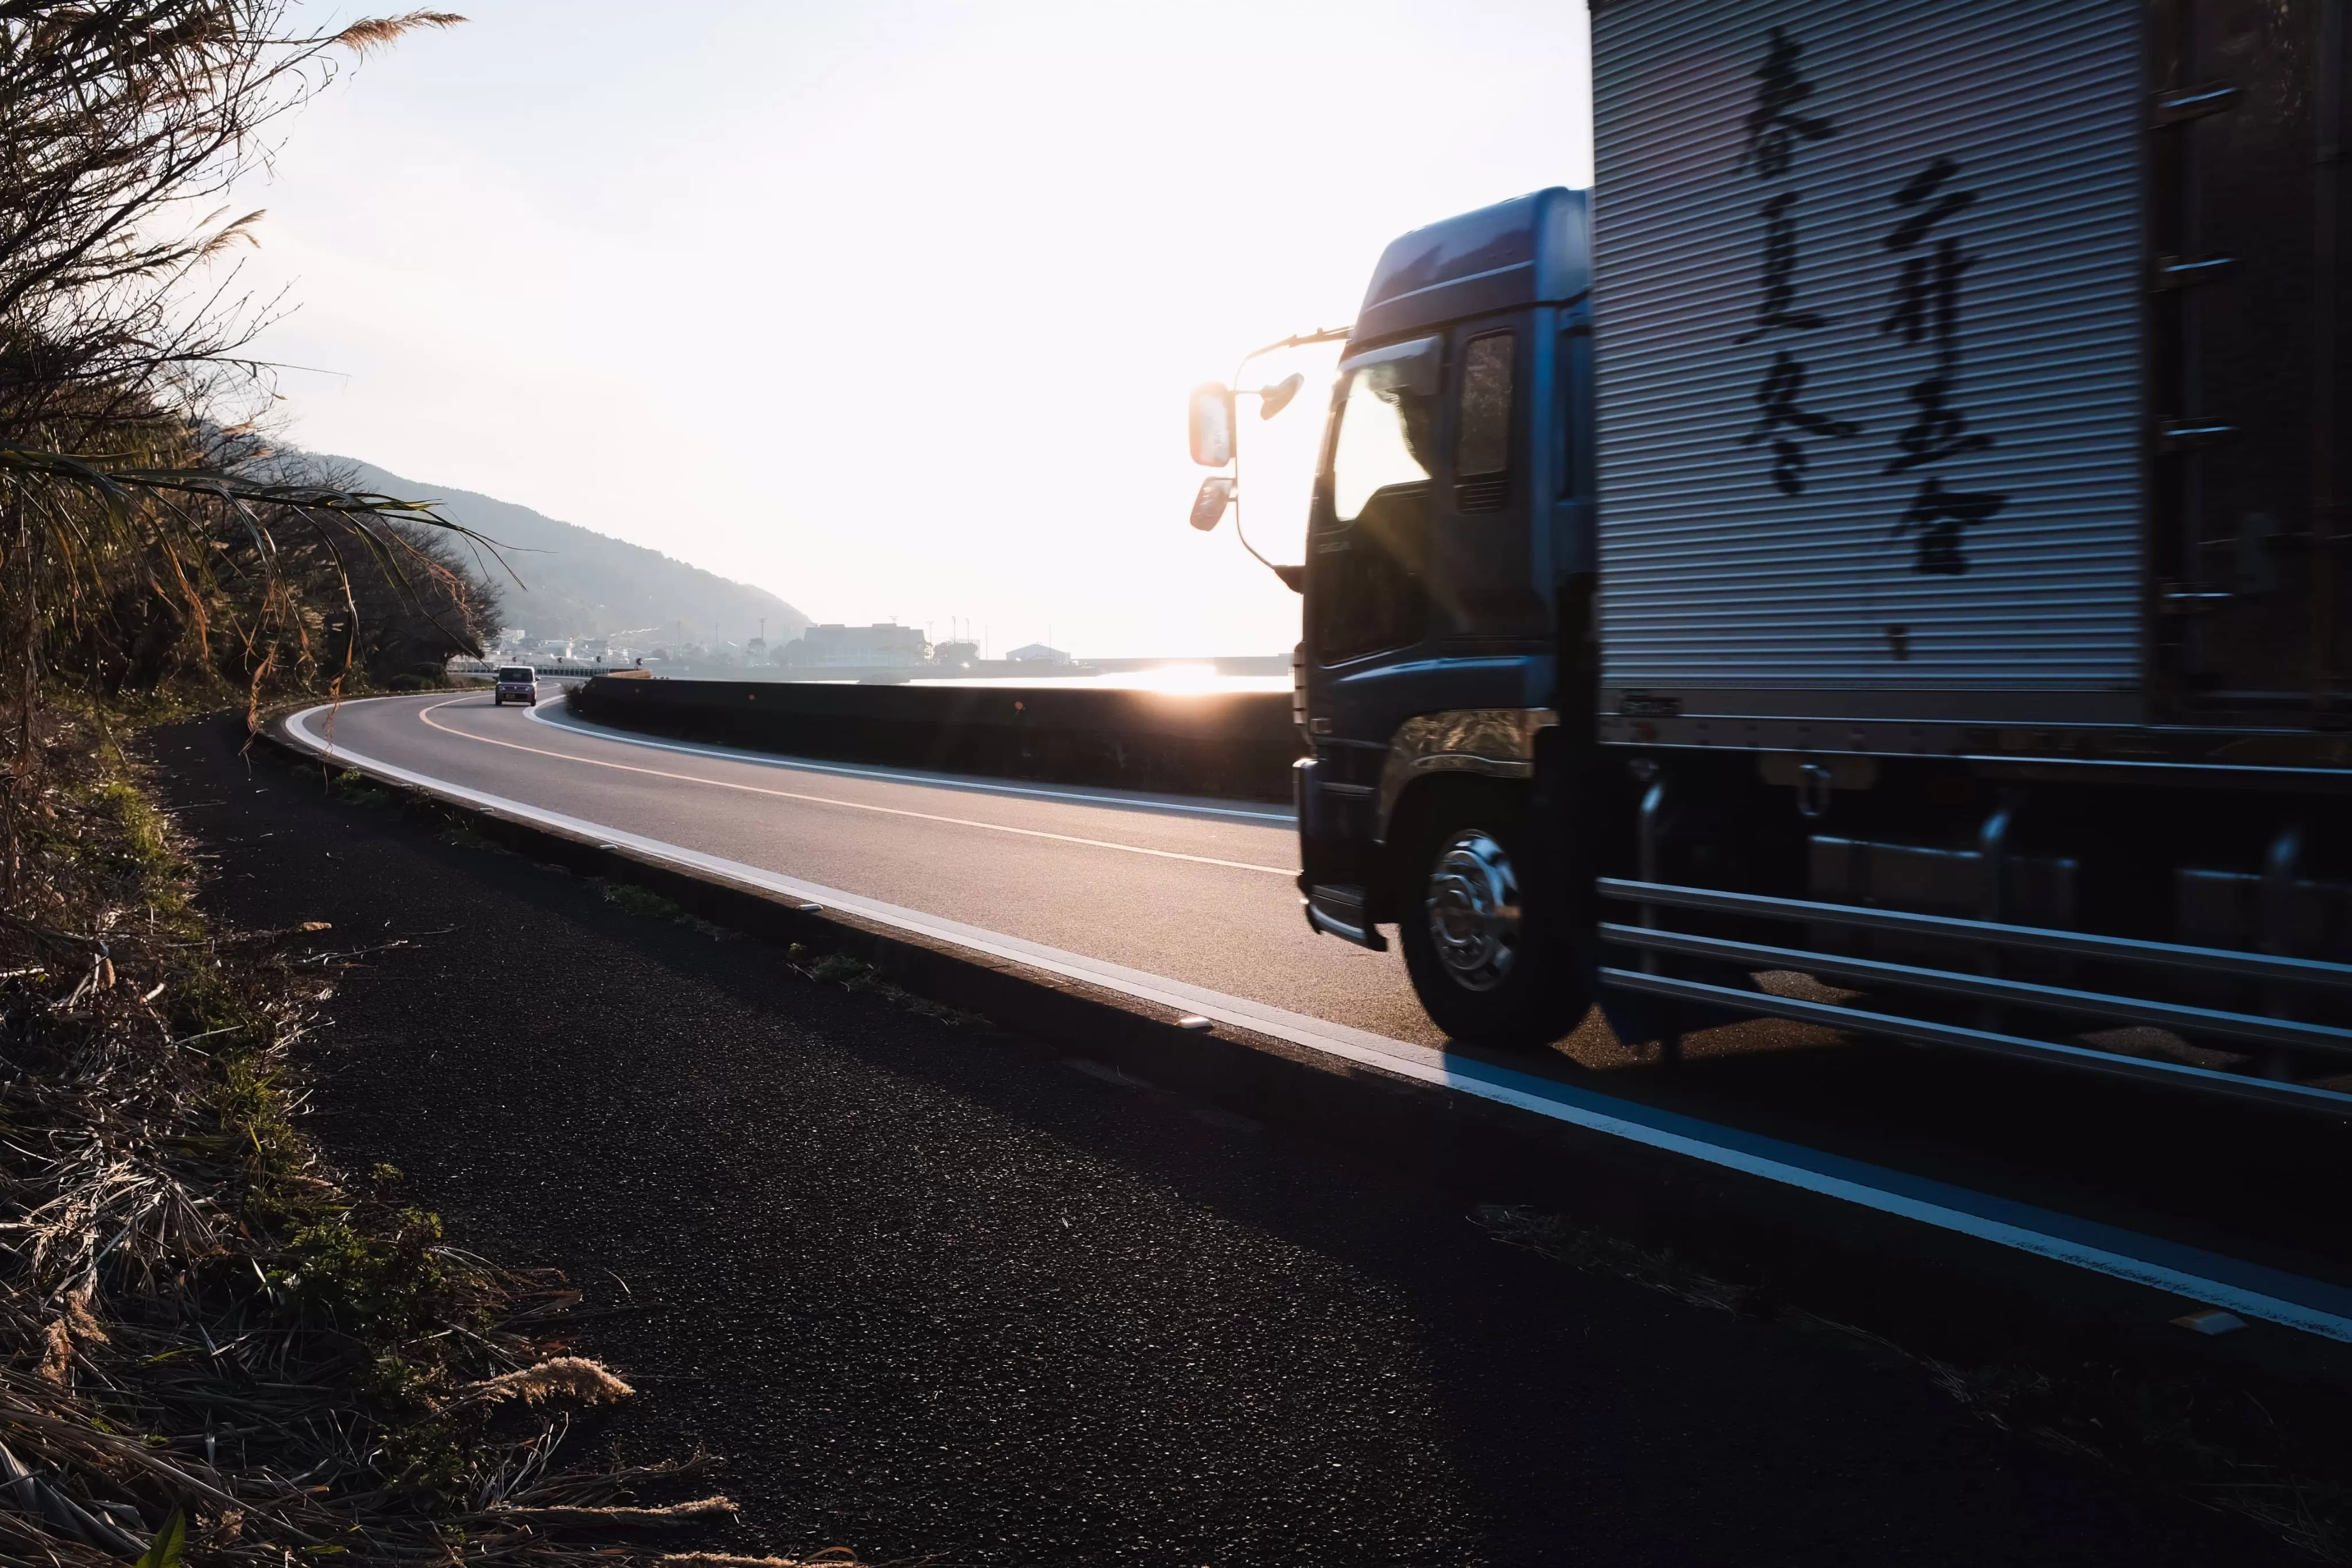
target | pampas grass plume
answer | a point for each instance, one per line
(565, 1378)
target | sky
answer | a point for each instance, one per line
(889, 306)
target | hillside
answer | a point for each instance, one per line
(580, 584)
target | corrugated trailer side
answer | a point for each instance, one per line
(1970, 363)
(1973, 605)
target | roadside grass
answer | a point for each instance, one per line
(216, 1346)
(462, 834)
(2200, 1440)
(647, 905)
(356, 789)
(856, 975)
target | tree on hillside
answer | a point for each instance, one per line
(145, 533)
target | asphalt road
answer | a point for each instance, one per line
(944, 1297)
(1195, 890)
(1201, 891)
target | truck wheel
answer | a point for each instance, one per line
(1479, 919)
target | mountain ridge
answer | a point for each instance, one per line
(577, 583)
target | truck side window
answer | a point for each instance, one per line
(1482, 431)
(1364, 570)
(1574, 379)
(1383, 439)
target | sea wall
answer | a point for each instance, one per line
(1237, 744)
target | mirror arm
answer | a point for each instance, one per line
(1293, 578)
(1295, 341)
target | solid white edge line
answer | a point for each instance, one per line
(1428, 1066)
(939, 780)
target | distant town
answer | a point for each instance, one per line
(883, 651)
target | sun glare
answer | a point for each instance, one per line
(1177, 678)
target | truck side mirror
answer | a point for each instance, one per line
(1213, 426)
(1209, 506)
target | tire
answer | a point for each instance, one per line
(497, 701)
(1482, 924)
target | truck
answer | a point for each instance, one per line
(1878, 558)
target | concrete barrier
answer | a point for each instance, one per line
(1237, 744)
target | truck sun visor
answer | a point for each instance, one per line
(1411, 366)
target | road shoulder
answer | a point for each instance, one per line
(676, 1145)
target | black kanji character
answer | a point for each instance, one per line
(1927, 291)
(1781, 274)
(1940, 514)
(1927, 295)
(1777, 397)
(1941, 431)
(1774, 126)
(1922, 185)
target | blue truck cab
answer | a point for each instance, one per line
(1449, 550)
(1877, 566)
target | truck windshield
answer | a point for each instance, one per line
(515, 674)
(1383, 440)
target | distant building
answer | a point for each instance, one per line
(837, 647)
(1039, 654)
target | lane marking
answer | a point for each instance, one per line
(898, 776)
(426, 714)
(2250, 1290)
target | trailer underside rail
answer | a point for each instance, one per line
(2282, 1045)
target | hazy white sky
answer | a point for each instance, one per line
(888, 306)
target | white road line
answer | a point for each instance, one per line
(426, 714)
(2250, 1290)
(904, 776)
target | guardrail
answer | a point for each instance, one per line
(1218, 743)
(565, 669)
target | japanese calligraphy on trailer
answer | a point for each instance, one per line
(1867, 284)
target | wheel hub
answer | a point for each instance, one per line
(1474, 909)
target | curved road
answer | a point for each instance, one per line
(1200, 892)
(1195, 890)
(955, 1302)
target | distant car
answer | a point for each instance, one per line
(519, 682)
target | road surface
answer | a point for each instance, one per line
(1197, 890)
(945, 1299)
(1200, 892)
